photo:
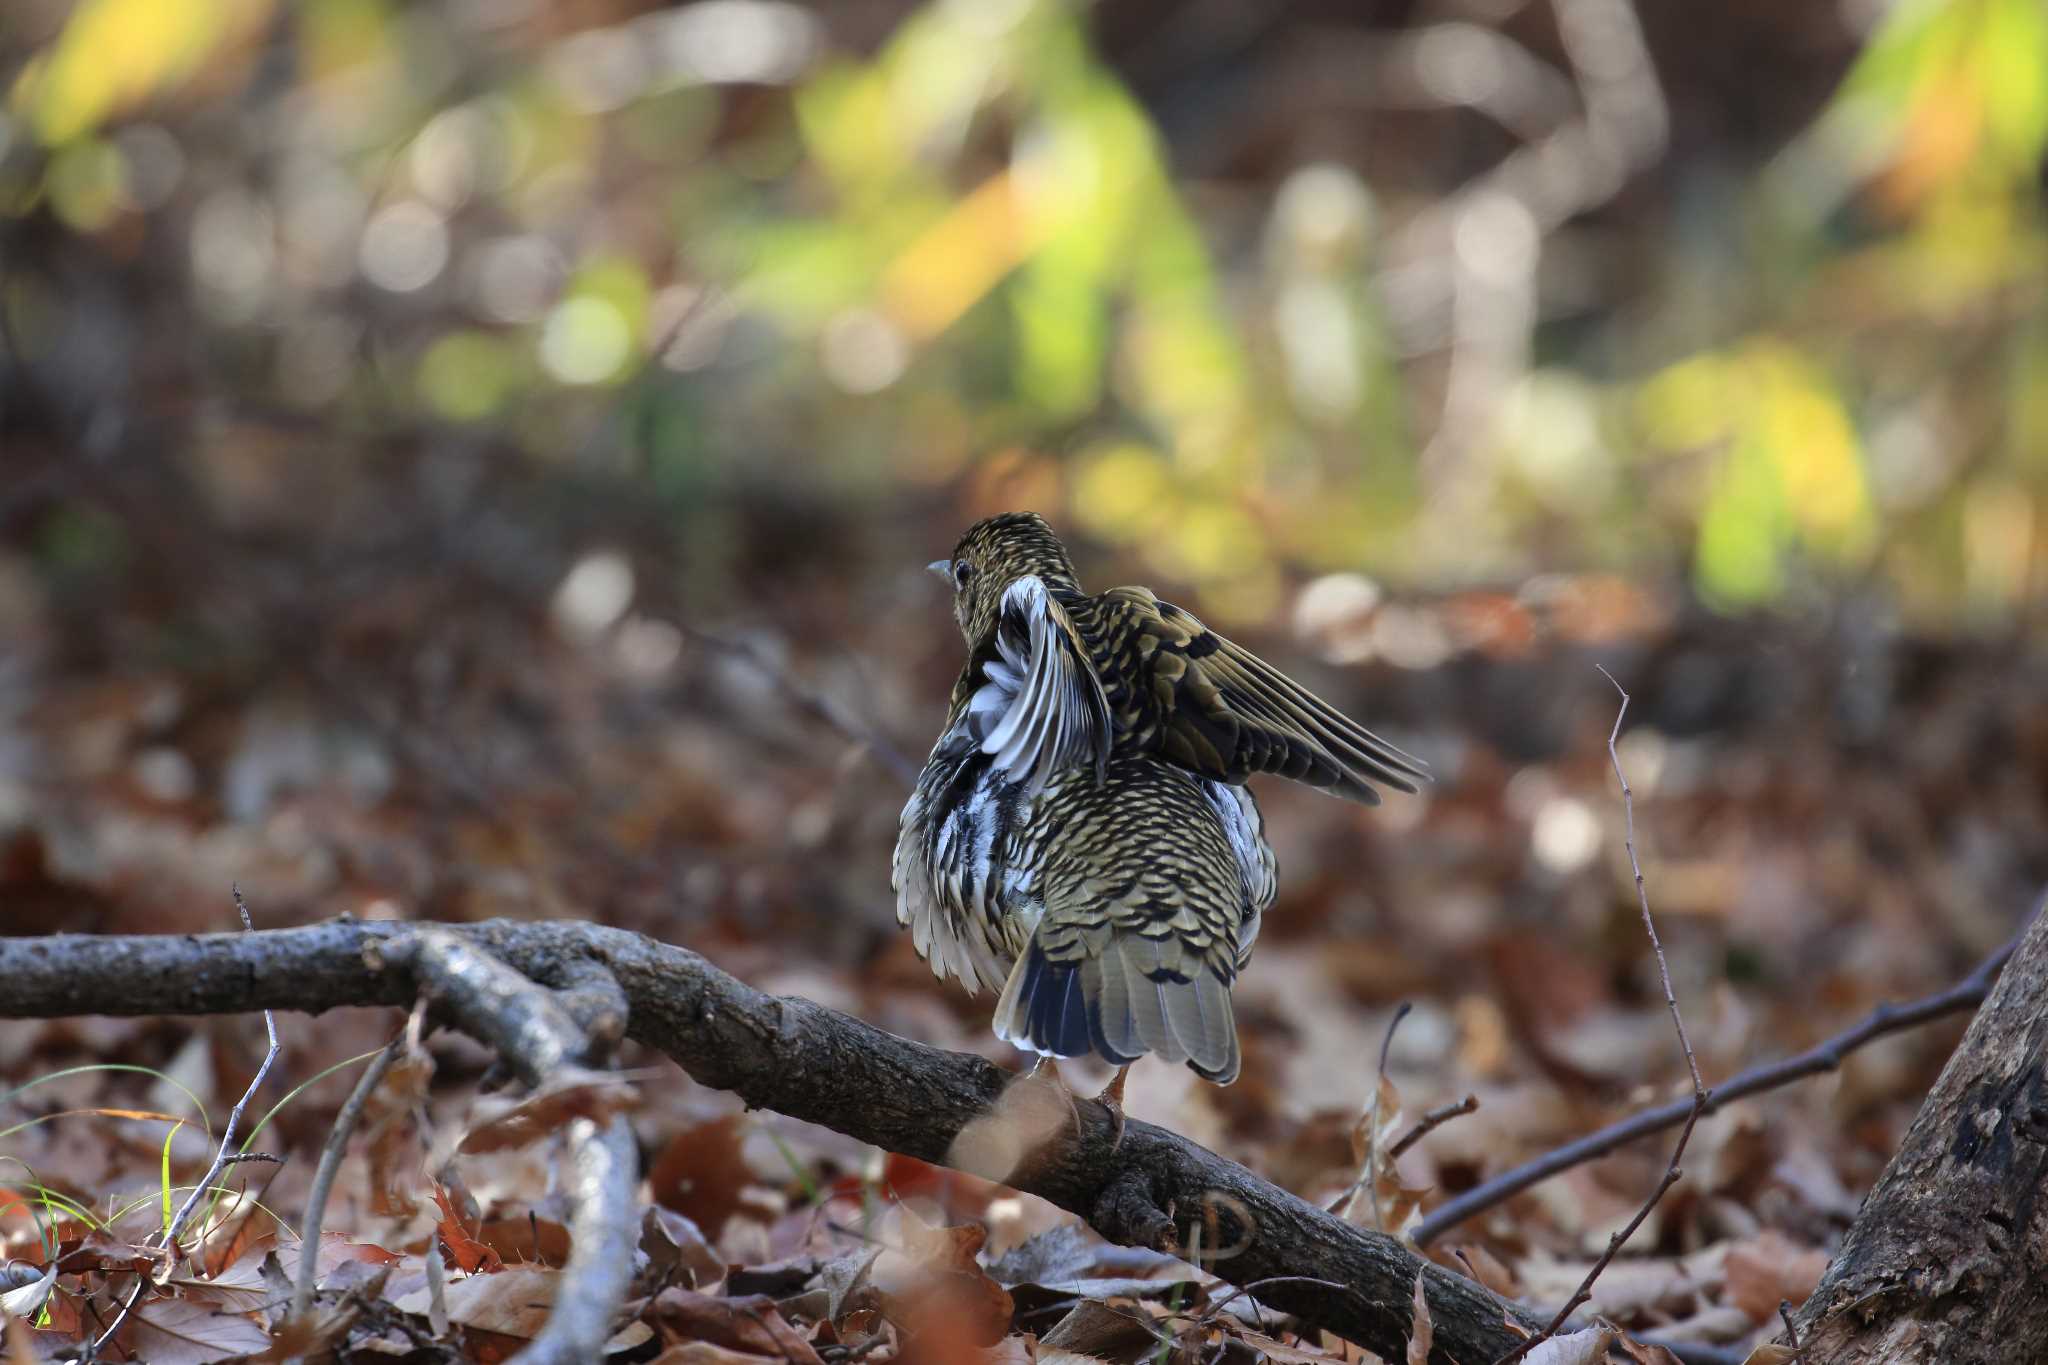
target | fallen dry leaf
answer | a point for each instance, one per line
(748, 1322)
(1769, 1268)
(1271, 1352)
(514, 1302)
(393, 1143)
(1770, 1353)
(1579, 1348)
(21, 1345)
(705, 1353)
(1421, 1331)
(187, 1332)
(703, 1173)
(1378, 1198)
(1645, 1355)
(575, 1094)
(936, 1292)
(1093, 1330)
(1071, 1251)
(675, 1245)
(525, 1240)
(466, 1253)
(1034, 1110)
(27, 1300)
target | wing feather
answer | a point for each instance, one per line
(1045, 701)
(1218, 709)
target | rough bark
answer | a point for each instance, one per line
(802, 1059)
(1947, 1261)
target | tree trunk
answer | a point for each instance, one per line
(1948, 1259)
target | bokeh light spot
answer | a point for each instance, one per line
(404, 247)
(585, 341)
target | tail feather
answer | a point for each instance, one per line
(1120, 1006)
(1199, 1015)
(1044, 1007)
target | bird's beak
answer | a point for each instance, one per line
(943, 568)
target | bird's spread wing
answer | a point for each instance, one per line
(1217, 709)
(1042, 706)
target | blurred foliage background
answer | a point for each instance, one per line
(1747, 296)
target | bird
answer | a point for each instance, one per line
(1081, 839)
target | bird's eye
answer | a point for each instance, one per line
(962, 571)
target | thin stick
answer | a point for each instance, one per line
(1823, 1057)
(1791, 1332)
(330, 1161)
(1369, 1173)
(1628, 815)
(1372, 1124)
(222, 1158)
(1244, 1290)
(812, 702)
(1433, 1120)
(1672, 1171)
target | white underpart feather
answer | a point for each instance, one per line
(1038, 711)
(1048, 706)
(1239, 812)
(960, 910)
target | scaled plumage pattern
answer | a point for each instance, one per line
(1081, 835)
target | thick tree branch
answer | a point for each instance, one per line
(802, 1059)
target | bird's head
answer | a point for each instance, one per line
(993, 554)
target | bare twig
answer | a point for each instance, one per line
(1371, 1174)
(538, 1035)
(1250, 1290)
(222, 1158)
(1401, 1011)
(323, 1177)
(1791, 1332)
(1826, 1056)
(810, 701)
(604, 1169)
(1431, 1121)
(1672, 1171)
(1628, 813)
(1368, 1171)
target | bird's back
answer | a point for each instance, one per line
(1115, 907)
(1145, 891)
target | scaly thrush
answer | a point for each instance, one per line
(1081, 835)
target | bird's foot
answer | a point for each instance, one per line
(1112, 1099)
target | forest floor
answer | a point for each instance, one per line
(524, 719)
